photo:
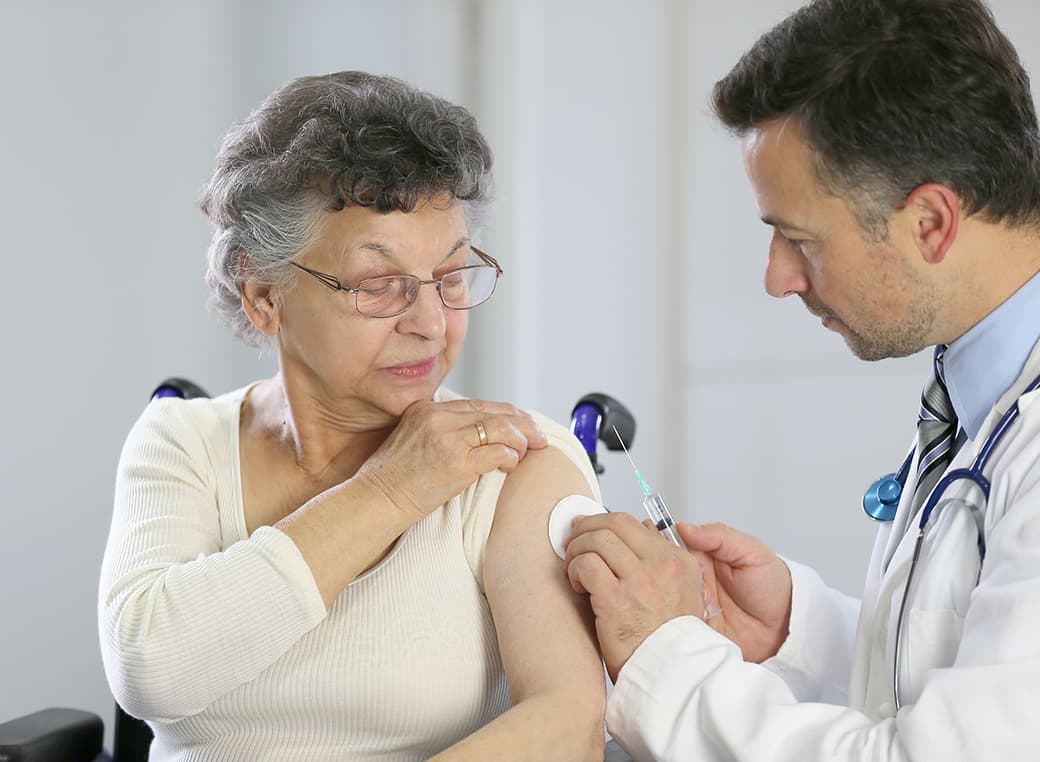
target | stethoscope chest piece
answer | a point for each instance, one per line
(882, 499)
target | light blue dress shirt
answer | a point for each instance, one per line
(983, 363)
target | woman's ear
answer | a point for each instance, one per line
(259, 300)
(937, 212)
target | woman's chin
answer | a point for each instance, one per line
(400, 400)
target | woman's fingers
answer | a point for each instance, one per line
(506, 431)
(499, 435)
(494, 455)
(440, 448)
(503, 423)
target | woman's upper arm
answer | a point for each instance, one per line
(182, 619)
(545, 630)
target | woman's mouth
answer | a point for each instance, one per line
(421, 369)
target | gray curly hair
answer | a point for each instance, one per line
(320, 144)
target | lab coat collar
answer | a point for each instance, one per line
(983, 364)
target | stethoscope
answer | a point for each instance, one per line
(882, 499)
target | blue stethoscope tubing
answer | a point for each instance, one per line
(882, 499)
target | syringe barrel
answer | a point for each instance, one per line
(662, 519)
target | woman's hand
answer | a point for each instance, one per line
(440, 448)
(751, 584)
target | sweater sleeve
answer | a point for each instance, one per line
(184, 620)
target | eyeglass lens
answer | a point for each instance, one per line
(459, 289)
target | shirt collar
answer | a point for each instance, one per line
(983, 363)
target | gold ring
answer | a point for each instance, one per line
(481, 433)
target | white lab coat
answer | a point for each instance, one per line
(970, 673)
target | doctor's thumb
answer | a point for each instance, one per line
(723, 543)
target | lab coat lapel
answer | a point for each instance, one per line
(870, 687)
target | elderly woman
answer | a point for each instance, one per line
(347, 561)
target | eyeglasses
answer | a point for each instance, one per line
(390, 295)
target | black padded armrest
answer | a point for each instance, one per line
(52, 735)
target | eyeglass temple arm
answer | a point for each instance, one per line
(325, 278)
(488, 258)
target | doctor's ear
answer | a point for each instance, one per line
(935, 214)
(259, 299)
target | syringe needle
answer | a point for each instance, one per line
(622, 441)
(639, 477)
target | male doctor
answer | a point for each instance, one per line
(893, 149)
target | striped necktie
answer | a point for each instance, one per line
(936, 430)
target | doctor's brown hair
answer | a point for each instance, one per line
(891, 94)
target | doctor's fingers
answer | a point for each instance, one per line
(663, 570)
(643, 541)
(642, 600)
(609, 548)
(589, 574)
(725, 544)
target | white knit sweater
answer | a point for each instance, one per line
(221, 641)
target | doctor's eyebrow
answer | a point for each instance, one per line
(776, 222)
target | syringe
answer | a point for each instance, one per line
(654, 505)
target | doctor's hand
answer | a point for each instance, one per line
(751, 584)
(636, 581)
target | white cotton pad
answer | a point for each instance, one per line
(564, 513)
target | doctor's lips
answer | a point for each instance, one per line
(818, 311)
(420, 369)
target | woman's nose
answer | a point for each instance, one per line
(785, 271)
(426, 315)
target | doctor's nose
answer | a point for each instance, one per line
(785, 272)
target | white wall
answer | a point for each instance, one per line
(631, 244)
(576, 104)
(110, 116)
